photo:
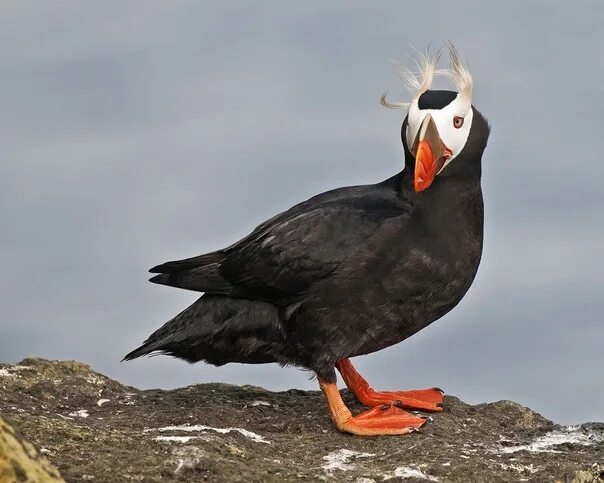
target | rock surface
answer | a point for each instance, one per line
(20, 461)
(95, 429)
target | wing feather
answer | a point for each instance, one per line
(284, 256)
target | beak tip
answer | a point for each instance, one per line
(419, 184)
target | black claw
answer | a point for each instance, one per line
(439, 390)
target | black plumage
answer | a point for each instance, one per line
(347, 272)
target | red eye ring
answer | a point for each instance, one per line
(457, 122)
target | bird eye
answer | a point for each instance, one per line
(457, 122)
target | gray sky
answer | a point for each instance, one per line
(134, 133)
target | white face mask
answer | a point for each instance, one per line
(453, 123)
(437, 131)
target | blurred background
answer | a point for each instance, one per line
(134, 133)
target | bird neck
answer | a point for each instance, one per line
(450, 200)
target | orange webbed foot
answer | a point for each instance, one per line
(381, 420)
(420, 399)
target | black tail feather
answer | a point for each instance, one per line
(188, 263)
(201, 279)
(145, 349)
(199, 273)
(162, 279)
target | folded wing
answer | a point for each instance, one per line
(283, 257)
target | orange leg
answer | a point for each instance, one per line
(424, 399)
(377, 421)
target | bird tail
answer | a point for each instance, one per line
(218, 330)
(201, 273)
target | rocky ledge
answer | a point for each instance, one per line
(95, 429)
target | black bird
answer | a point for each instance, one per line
(350, 271)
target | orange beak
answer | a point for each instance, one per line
(430, 154)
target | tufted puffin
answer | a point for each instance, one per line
(349, 271)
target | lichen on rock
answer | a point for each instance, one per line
(20, 461)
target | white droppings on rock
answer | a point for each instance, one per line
(100, 402)
(174, 439)
(97, 381)
(342, 460)
(80, 413)
(201, 428)
(548, 442)
(410, 472)
(519, 468)
(260, 403)
(21, 368)
(8, 371)
(128, 399)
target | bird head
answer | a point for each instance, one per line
(438, 122)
